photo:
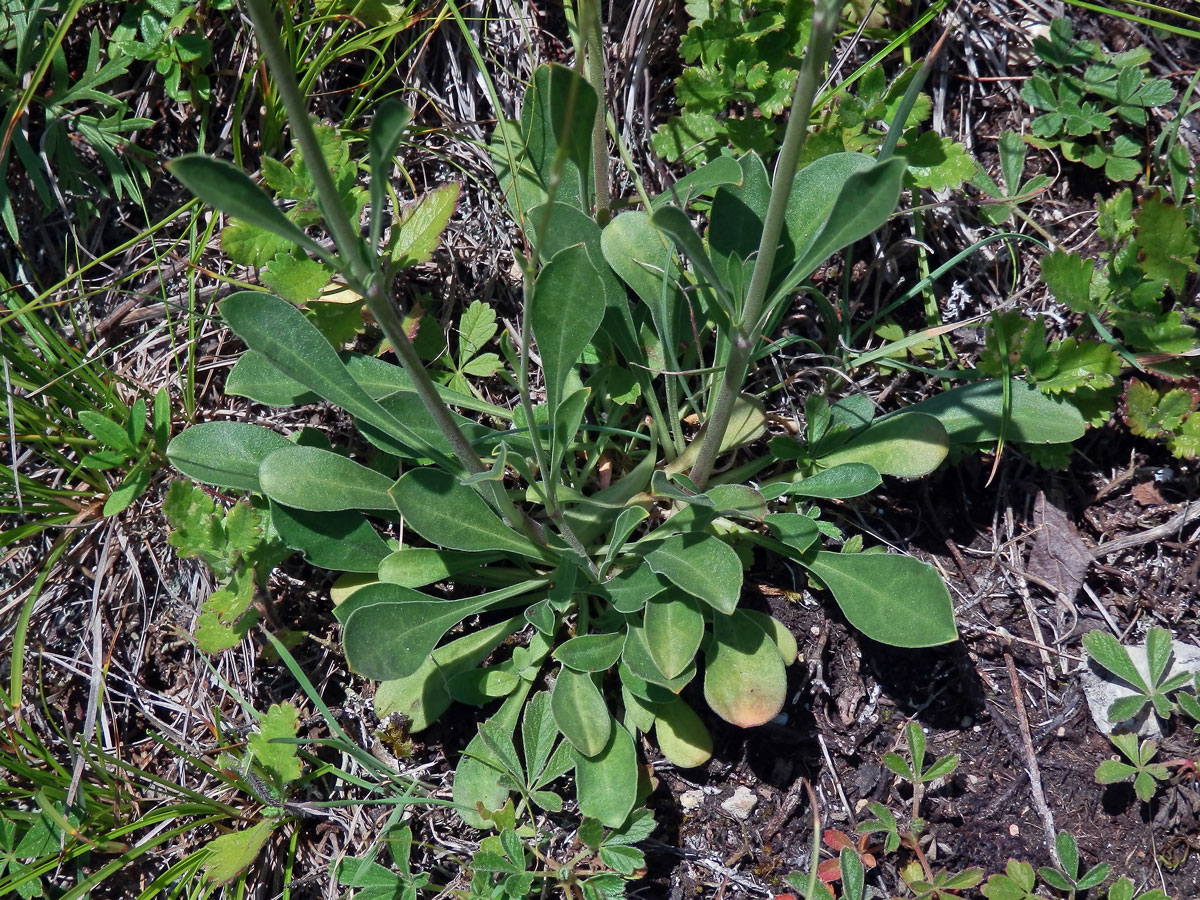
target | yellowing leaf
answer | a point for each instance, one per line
(416, 234)
(231, 854)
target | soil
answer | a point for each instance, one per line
(1019, 552)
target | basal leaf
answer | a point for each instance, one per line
(317, 480)
(580, 712)
(445, 512)
(674, 627)
(607, 782)
(681, 735)
(392, 630)
(567, 310)
(745, 682)
(702, 565)
(892, 599)
(225, 454)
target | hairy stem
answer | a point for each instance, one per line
(364, 271)
(592, 30)
(745, 331)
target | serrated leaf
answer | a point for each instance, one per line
(1069, 277)
(418, 231)
(281, 721)
(296, 278)
(231, 854)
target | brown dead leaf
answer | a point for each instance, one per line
(1059, 556)
(1147, 494)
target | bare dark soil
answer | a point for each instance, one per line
(1026, 581)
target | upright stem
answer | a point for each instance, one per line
(364, 267)
(593, 33)
(745, 331)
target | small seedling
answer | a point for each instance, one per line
(1017, 883)
(1109, 653)
(941, 884)
(127, 444)
(1080, 112)
(1067, 878)
(884, 823)
(913, 769)
(1146, 775)
(1013, 149)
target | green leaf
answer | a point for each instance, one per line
(538, 736)
(1069, 277)
(631, 589)
(853, 217)
(559, 103)
(479, 780)
(908, 445)
(225, 454)
(745, 682)
(677, 226)
(784, 640)
(231, 854)
(387, 128)
(341, 541)
(637, 252)
(894, 599)
(415, 567)
(296, 279)
(445, 512)
(254, 377)
(132, 487)
(391, 630)
(293, 345)
(606, 783)
(229, 189)
(580, 712)
(799, 532)
(636, 657)
(107, 432)
(973, 413)
(703, 566)
(281, 721)
(839, 482)
(1167, 246)
(422, 696)
(1068, 853)
(1108, 652)
(681, 735)
(591, 652)
(674, 627)
(317, 480)
(567, 311)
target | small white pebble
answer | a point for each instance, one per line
(691, 799)
(1014, 830)
(741, 804)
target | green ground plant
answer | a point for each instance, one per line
(82, 110)
(1082, 94)
(159, 31)
(607, 526)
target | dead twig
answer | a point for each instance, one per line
(1031, 766)
(1171, 528)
